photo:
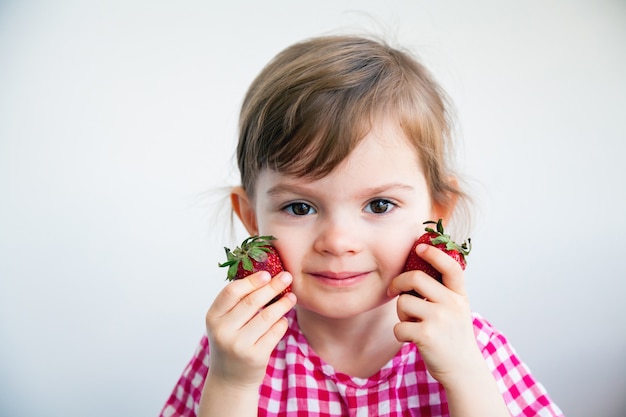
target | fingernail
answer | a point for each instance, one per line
(265, 276)
(421, 248)
(285, 277)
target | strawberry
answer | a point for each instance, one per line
(438, 239)
(256, 253)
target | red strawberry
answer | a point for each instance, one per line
(256, 253)
(438, 239)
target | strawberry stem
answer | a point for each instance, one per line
(443, 238)
(252, 248)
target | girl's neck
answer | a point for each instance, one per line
(358, 346)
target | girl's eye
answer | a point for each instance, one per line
(300, 209)
(380, 206)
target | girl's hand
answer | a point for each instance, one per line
(440, 325)
(242, 334)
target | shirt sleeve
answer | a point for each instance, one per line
(185, 398)
(524, 396)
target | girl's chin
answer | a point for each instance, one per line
(340, 305)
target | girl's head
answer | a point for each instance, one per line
(312, 104)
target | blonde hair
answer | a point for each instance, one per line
(312, 104)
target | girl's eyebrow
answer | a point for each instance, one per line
(280, 189)
(385, 188)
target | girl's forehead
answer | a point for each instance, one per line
(383, 157)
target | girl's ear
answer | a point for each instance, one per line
(243, 208)
(444, 209)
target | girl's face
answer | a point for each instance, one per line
(346, 236)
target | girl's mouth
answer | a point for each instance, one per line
(340, 279)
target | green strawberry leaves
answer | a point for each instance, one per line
(442, 238)
(254, 248)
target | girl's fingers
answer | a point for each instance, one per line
(418, 281)
(242, 353)
(234, 291)
(411, 308)
(242, 300)
(252, 302)
(405, 331)
(248, 331)
(269, 325)
(451, 271)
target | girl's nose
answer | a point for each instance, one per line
(338, 237)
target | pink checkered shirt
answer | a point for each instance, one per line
(299, 383)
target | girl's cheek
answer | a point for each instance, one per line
(397, 258)
(286, 253)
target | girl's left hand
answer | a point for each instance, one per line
(440, 325)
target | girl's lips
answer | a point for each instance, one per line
(340, 279)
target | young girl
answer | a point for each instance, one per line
(343, 152)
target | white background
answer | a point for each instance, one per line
(118, 123)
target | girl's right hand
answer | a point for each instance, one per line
(242, 334)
